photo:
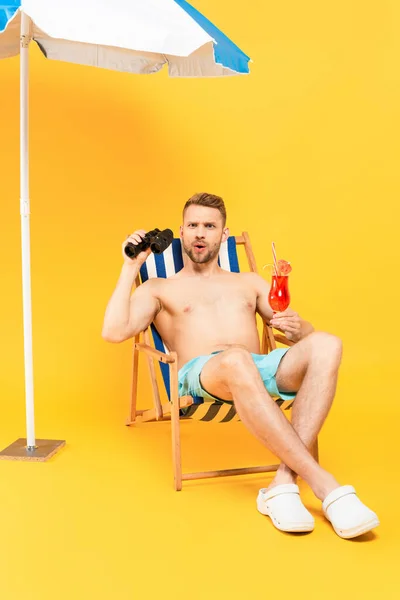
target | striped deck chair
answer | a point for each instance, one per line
(187, 407)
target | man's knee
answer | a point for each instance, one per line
(236, 361)
(326, 345)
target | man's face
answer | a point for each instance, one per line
(202, 233)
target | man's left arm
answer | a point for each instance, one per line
(287, 322)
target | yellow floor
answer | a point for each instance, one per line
(101, 520)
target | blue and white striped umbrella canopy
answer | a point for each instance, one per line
(137, 36)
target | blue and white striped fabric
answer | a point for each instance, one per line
(170, 262)
(136, 36)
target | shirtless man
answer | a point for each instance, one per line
(207, 316)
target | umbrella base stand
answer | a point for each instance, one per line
(43, 450)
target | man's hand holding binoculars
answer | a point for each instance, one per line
(135, 239)
(138, 246)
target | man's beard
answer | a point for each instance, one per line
(203, 258)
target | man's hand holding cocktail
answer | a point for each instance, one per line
(291, 324)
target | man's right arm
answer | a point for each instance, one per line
(127, 315)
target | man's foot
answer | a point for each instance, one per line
(348, 515)
(283, 505)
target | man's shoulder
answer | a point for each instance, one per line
(250, 276)
(255, 281)
(154, 283)
(243, 279)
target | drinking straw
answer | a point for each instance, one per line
(275, 261)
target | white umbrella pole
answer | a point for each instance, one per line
(25, 229)
(29, 448)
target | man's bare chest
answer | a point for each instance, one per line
(211, 299)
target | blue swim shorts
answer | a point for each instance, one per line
(267, 365)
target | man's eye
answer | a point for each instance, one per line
(211, 226)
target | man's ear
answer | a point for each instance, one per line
(181, 231)
(225, 235)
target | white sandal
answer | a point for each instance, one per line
(283, 505)
(348, 515)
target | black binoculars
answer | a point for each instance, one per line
(156, 240)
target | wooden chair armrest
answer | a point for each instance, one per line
(160, 356)
(283, 339)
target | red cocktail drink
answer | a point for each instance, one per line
(279, 297)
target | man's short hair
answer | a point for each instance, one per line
(210, 200)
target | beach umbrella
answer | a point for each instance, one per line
(135, 36)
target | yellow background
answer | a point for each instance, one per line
(305, 152)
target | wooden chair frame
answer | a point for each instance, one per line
(171, 410)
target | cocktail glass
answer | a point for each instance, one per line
(279, 296)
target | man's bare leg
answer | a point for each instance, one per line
(232, 374)
(311, 367)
